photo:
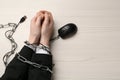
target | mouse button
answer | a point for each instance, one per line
(61, 32)
(73, 28)
(66, 27)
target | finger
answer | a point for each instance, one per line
(38, 13)
(33, 20)
(39, 20)
(46, 20)
(51, 18)
(41, 12)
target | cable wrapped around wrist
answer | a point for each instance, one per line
(41, 46)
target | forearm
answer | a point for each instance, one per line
(44, 58)
(17, 69)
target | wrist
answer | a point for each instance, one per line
(33, 40)
(45, 42)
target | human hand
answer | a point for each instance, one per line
(47, 28)
(35, 28)
(41, 28)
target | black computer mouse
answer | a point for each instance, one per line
(67, 30)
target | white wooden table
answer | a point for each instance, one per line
(92, 54)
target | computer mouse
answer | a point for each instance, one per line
(67, 30)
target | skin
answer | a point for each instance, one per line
(41, 28)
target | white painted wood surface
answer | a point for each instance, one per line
(92, 54)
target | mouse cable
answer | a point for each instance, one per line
(55, 38)
(9, 36)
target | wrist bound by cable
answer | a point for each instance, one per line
(39, 49)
